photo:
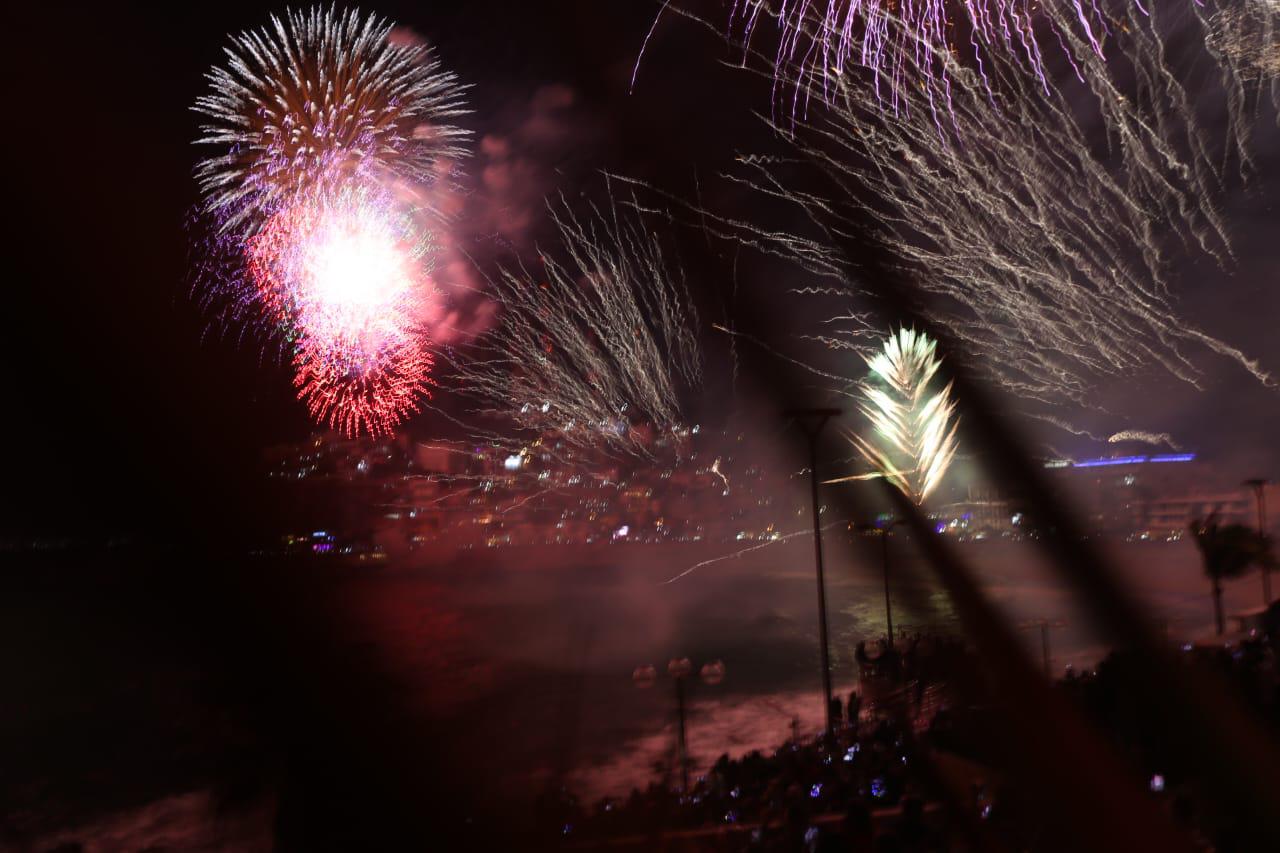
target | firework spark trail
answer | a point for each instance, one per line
(777, 353)
(887, 474)
(784, 537)
(522, 501)
(898, 43)
(715, 469)
(912, 47)
(1151, 122)
(1244, 38)
(1170, 162)
(330, 130)
(594, 347)
(1048, 261)
(1145, 437)
(1066, 426)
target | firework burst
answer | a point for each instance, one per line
(330, 130)
(318, 98)
(347, 275)
(913, 430)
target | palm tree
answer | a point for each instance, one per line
(1228, 551)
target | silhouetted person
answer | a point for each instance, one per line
(915, 835)
(859, 833)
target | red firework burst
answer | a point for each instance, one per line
(344, 274)
(365, 397)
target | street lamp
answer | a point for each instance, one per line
(1259, 487)
(679, 669)
(812, 421)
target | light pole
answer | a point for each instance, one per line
(1259, 487)
(1044, 625)
(679, 669)
(812, 421)
(883, 533)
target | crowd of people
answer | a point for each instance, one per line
(807, 793)
(887, 780)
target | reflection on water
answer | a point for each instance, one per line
(735, 725)
(494, 675)
(554, 646)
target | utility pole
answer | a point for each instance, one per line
(683, 743)
(1044, 650)
(883, 533)
(1044, 625)
(1259, 487)
(888, 611)
(812, 421)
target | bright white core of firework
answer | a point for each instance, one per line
(357, 284)
(356, 271)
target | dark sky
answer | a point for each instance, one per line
(125, 414)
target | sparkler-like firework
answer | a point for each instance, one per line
(330, 130)
(596, 346)
(913, 436)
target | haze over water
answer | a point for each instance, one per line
(557, 644)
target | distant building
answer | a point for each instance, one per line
(1151, 495)
(1172, 515)
(984, 513)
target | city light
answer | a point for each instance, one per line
(1130, 460)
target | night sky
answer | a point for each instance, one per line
(147, 672)
(128, 414)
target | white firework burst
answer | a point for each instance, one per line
(913, 430)
(322, 95)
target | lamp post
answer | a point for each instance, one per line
(812, 421)
(1259, 487)
(679, 669)
(1044, 625)
(883, 533)
(884, 550)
